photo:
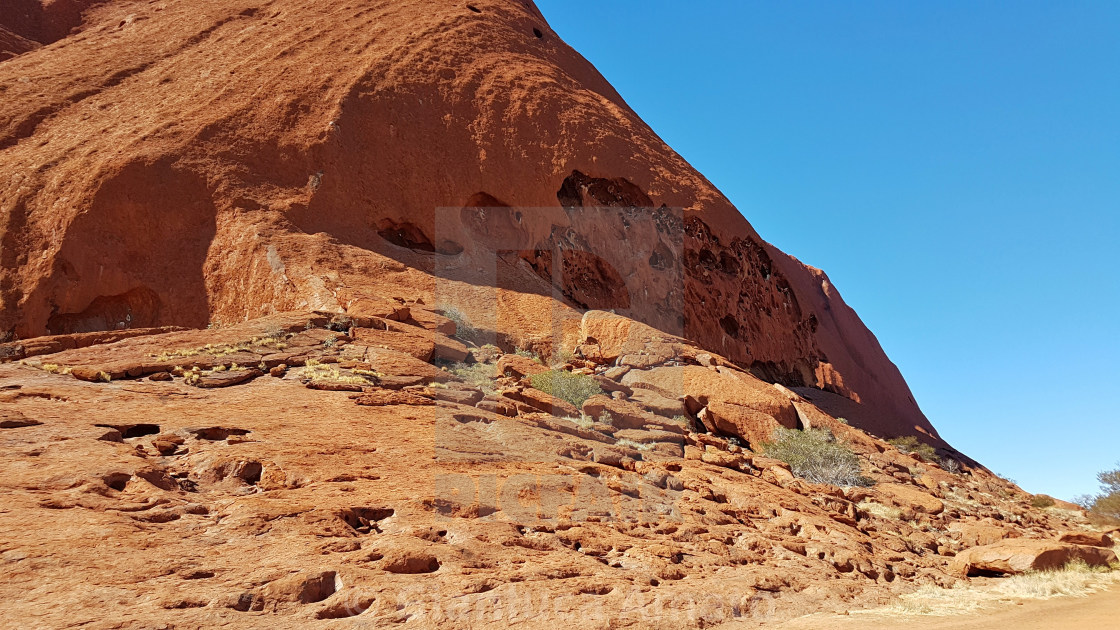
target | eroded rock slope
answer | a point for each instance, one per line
(332, 470)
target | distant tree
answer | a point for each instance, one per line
(1107, 503)
(1086, 501)
(1110, 481)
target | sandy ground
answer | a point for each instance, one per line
(1099, 611)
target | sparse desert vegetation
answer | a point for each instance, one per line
(567, 386)
(817, 456)
(464, 330)
(872, 508)
(316, 371)
(480, 375)
(951, 466)
(1042, 501)
(910, 444)
(273, 340)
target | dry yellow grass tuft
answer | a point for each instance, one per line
(1075, 580)
(638, 446)
(274, 341)
(316, 371)
(880, 510)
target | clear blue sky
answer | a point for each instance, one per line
(953, 166)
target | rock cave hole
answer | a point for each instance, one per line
(364, 520)
(350, 607)
(117, 481)
(217, 434)
(18, 423)
(537, 33)
(251, 473)
(474, 8)
(730, 326)
(199, 575)
(974, 572)
(412, 236)
(132, 430)
(413, 564)
(138, 308)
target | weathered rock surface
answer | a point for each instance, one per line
(538, 400)
(226, 379)
(619, 413)
(907, 496)
(980, 534)
(518, 366)
(425, 493)
(726, 400)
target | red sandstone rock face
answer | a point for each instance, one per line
(12, 44)
(27, 24)
(186, 162)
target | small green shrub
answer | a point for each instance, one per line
(684, 421)
(816, 455)
(480, 375)
(573, 388)
(464, 330)
(1041, 501)
(950, 465)
(521, 352)
(488, 353)
(910, 444)
(558, 359)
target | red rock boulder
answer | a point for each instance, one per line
(518, 366)
(1011, 557)
(906, 496)
(1089, 539)
(726, 400)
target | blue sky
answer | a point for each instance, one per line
(953, 166)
